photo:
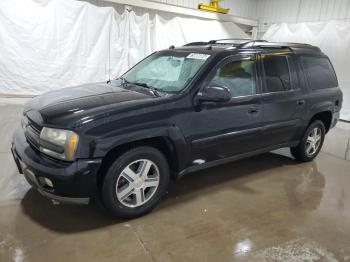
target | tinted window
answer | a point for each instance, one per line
(277, 74)
(319, 72)
(238, 76)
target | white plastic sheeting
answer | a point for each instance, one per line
(334, 40)
(51, 44)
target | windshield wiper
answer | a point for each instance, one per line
(124, 81)
(151, 88)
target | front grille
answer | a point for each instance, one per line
(32, 133)
(33, 138)
(37, 128)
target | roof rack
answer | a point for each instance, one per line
(265, 44)
(228, 41)
(196, 43)
(262, 44)
(248, 43)
(235, 42)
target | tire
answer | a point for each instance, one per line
(303, 152)
(129, 188)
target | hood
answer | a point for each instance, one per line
(79, 105)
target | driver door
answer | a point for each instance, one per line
(226, 129)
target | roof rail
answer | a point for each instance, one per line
(306, 46)
(265, 44)
(196, 43)
(226, 41)
(248, 43)
(252, 43)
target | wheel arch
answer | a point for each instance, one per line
(324, 116)
(171, 144)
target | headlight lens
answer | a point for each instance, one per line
(59, 143)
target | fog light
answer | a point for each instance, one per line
(48, 182)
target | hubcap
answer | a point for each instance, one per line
(137, 183)
(313, 141)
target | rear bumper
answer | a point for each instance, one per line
(335, 119)
(73, 182)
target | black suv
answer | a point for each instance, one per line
(177, 111)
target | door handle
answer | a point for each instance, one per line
(301, 102)
(253, 110)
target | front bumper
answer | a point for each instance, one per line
(73, 182)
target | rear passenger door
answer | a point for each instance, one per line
(282, 98)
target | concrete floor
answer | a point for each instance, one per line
(267, 208)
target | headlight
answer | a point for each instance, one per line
(59, 143)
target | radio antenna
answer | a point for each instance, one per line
(109, 48)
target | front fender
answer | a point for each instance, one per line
(172, 133)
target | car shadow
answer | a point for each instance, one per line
(65, 217)
(215, 178)
(72, 218)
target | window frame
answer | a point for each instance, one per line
(235, 58)
(293, 80)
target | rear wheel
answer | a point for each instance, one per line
(311, 142)
(135, 182)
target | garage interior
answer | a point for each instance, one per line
(265, 208)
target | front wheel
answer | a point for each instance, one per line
(311, 143)
(135, 182)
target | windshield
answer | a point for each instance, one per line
(168, 71)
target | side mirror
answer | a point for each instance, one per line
(214, 94)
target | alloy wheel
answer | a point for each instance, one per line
(137, 183)
(313, 141)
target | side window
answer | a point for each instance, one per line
(237, 76)
(277, 74)
(320, 72)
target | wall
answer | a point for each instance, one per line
(242, 8)
(51, 44)
(277, 11)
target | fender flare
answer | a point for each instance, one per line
(320, 107)
(171, 133)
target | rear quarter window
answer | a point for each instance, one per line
(319, 72)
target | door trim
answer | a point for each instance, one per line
(229, 135)
(213, 163)
(281, 124)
